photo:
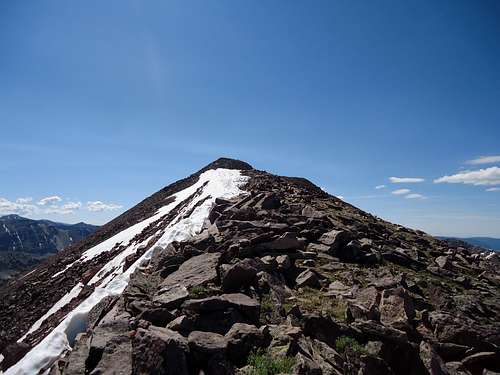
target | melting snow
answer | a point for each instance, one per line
(221, 183)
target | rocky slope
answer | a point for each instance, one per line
(235, 270)
(25, 242)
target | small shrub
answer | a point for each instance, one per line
(200, 291)
(346, 343)
(265, 364)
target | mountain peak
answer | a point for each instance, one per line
(228, 163)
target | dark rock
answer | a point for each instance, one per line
(431, 360)
(241, 339)
(159, 351)
(243, 273)
(307, 278)
(335, 239)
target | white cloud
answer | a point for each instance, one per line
(97, 206)
(401, 191)
(49, 200)
(405, 180)
(414, 196)
(487, 176)
(378, 187)
(484, 160)
(24, 200)
(493, 189)
(71, 206)
(9, 207)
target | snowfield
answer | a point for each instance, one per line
(220, 183)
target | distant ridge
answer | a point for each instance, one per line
(25, 242)
(489, 243)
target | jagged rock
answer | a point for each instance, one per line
(269, 202)
(243, 273)
(396, 307)
(307, 278)
(181, 324)
(444, 262)
(364, 306)
(206, 344)
(241, 339)
(322, 328)
(116, 358)
(159, 351)
(13, 353)
(335, 239)
(431, 360)
(219, 313)
(284, 262)
(287, 241)
(196, 271)
(78, 356)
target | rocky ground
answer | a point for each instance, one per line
(290, 280)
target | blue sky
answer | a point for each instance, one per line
(110, 101)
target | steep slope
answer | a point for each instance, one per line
(25, 242)
(231, 260)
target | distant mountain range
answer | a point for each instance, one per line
(25, 242)
(484, 242)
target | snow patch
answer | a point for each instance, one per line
(220, 183)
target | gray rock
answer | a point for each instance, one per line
(196, 271)
(241, 339)
(396, 308)
(207, 343)
(335, 239)
(159, 351)
(308, 278)
(235, 276)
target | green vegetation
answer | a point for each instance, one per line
(312, 300)
(200, 291)
(269, 309)
(264, 364)
(346, 343)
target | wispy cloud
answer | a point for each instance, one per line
(405, 180)
(378, 187)
(414, 196)
(401, 191)
(49, 200)
(24, 200)
(484, 160)
(493, 189)
(97, 206)
(486, 176)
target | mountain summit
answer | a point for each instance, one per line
(234, 270)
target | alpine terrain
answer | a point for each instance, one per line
(25, 242)
(237, 271)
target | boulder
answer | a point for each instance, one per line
(478, 361)
(364, 306)
(283, 262)
(159, 351)
(206, 344)
(396, 308)
(335, 239)
(444, 262)
(241, 274)
(196, 271)
(307, 278)
(241, 339)
(431, 360)
(287, 241)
